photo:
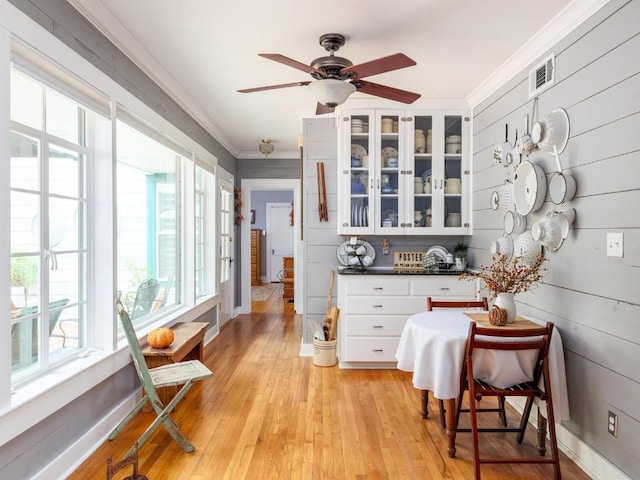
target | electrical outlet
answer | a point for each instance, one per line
(612, 424)
(615, 245)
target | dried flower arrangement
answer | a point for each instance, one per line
(509, 276)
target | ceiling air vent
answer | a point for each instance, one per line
(541, 76)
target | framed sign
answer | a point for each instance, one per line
(408, 261)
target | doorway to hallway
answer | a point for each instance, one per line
(257, 192)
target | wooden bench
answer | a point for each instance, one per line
(188, 344)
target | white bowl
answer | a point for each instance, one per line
(502, 246)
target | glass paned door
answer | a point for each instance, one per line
(358, 168)
(453, 171)
(390, 185)
(423, 171)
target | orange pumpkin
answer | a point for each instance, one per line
(160, 337)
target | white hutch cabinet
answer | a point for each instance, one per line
(403, 172)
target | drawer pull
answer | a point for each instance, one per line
(378, 350)
(444, 288)
(377, 326)
(378, 288)
(377, 306)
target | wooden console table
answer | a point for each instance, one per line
(188, 344)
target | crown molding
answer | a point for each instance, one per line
(555, 30)
(117, 34)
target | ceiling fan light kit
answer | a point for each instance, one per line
(331, 92)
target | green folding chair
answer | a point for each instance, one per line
(181, 373)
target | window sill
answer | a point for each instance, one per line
(35, 401)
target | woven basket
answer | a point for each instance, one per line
(497, 316)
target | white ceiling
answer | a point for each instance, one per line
(202, 51)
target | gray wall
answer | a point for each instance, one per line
(31, 451)
(592, 299)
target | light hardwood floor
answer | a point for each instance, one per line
(269, 414)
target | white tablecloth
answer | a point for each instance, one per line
(432, 346)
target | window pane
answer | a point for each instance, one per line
(65, 167)
(26, 100)
(205, 241)
(25, 222)
(148, 222)
(63, 117)
(48, 229)
(24, 341)
(25, 162)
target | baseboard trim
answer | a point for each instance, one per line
(306, 349)
(67, 462)
(589, 460)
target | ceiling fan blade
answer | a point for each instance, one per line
(322, 109)
(383, 91)
(276, 57)
(380, 65)
(273, 87)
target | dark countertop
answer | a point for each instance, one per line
(390, 271)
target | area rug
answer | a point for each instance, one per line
(260, 293)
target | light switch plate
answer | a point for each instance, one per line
(615, 244)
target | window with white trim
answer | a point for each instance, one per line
(49, 256)
(148, 213)
(204, 238)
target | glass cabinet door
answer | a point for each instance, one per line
(422, 173)
(453, 171)
(389, 180)
(357, 166)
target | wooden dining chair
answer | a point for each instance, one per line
(181, 373)
(464, 304)
(515, 340)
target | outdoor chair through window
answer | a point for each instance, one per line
(145, 296)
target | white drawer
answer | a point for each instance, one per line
(385, 305)
(374, 325)
(371, 349)
(436, 287)
(379, 285)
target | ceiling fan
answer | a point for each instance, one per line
(336, 77)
